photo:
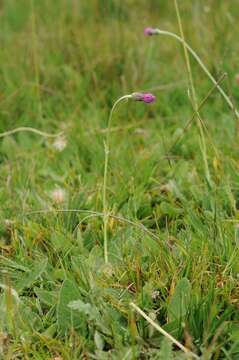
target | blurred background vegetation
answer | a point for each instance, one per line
(62, 65)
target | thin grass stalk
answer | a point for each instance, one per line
(193, 92)
(163, 332)
(201, 64)
(29, 129)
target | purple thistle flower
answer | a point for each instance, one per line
(145, 97)
(149, 31)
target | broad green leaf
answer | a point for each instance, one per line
(79, 305)
(47, 297)
(28, 318)
(86, 309)
(168, 209)
(165, 352)
(66, 318)
(9, 147)
(29, 278)
(99, 341)
(151, 245)
(60, 241)
(50, 331)
(10, 293)
(180, 300)
(5, 262)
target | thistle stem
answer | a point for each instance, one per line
(107, 151)
(201, 64)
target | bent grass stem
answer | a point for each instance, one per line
(95, 214)
(29, 129)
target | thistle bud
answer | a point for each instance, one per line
(150, 31)
(145, 97)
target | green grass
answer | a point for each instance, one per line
(175, 255)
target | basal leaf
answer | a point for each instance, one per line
(165, 352)
(47, 297)
(66, 317)
(29, 278)
(180, 299)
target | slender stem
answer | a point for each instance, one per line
(202, 103)
(11, 291)
(35, 58)
(163, 332)
(201, 64)
(29, 129)
(107, 150)
(95, 214)
(194, 97)
(187, 60)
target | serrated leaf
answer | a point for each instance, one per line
(29, 278)
(180, 300)
(66, 318)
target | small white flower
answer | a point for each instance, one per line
(60, 143)
(58, 195)
(8, 223)
(155, 294)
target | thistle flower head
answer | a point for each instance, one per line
(149, 31)
(145, 97)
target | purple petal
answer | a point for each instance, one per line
(148, 98)
(145, 97)
(149, 31)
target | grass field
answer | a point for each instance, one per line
(171, 195)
